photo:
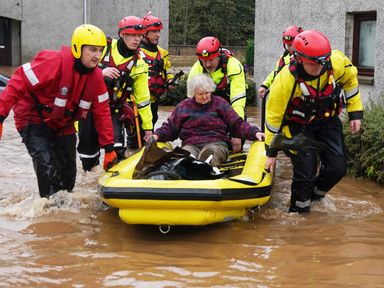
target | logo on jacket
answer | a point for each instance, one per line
(64, 91)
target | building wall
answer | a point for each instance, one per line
(328, 16)
(11, 9)
(49, 24)
(106, 18)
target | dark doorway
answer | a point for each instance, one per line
(5, 41)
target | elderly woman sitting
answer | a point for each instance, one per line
(203, 122)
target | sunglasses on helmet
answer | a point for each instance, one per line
(316, 59)
(155, 24)
(137, 27)
(288, 38)
(206, 53)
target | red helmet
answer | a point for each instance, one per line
(208, 48)
(152, 23)
(312, 46)
(131, 25)
(290, 33)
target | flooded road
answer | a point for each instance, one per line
(71, 240)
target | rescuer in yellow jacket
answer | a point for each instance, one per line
(306, 98)
(228, 74)
(159, 76)
(126, 76)
(288, 35)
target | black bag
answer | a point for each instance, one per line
(177, 164)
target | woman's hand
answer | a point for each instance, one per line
(260, 136)
(236, 145)
(148, 135)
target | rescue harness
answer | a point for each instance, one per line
(314, 105)
(120, 89)
(156, 73)
(223, 88)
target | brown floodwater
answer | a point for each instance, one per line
(71, 240)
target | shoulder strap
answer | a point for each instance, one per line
(224, 56)
(132, 62)
(293, 68)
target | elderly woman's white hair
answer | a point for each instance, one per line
(200, 82)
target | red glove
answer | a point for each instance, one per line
(1, 129)
(110, 159)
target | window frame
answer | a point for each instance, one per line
(357, 19)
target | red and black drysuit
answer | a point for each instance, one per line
(47, 96)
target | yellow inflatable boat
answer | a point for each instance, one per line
(242, 185)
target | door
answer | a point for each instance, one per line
(5, 41)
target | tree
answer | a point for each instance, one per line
(232, 22)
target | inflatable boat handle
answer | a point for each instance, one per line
(248, 180)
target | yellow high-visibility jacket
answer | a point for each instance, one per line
(344, 73)
(271, 76)
(235, 77)
(139, 74)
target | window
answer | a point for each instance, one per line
(364, 38)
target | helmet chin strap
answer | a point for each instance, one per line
(297, 58)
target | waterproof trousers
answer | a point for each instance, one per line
(89, 148)
(155, 112)
(310, 182)
(132, 138)
(53, 157)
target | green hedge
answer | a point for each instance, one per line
(174, 96)
(366, 149)
(249, 56)
(179, 93)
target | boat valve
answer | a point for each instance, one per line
(164, 228)
(252, 211)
